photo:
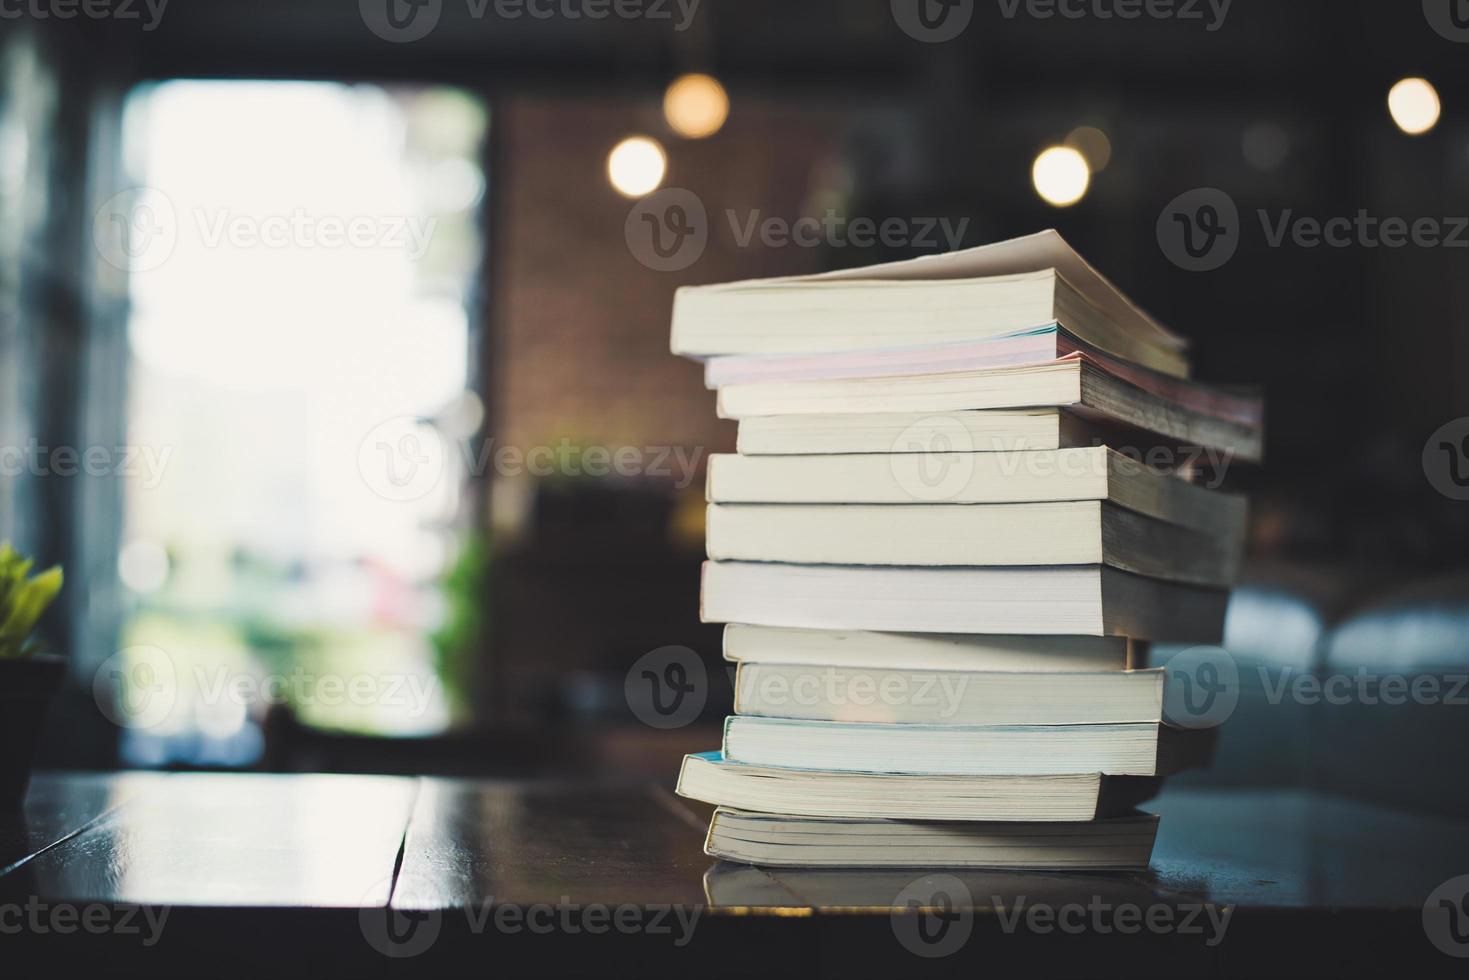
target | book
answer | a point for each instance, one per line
(965, 295)
(924, 432)
(779, 840)
(1072, 382)
(928, 651)
(1037, 346)
(711, 778)
(904, 696)
(935, 535)
(1096, 473)
(741, 888)
(1127, 749)
(1087, 600)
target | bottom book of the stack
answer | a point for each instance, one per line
(1115, 844)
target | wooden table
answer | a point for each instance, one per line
(202, 875)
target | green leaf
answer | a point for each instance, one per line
(22, 601)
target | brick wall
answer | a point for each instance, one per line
(581, 326)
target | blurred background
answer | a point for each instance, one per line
(331, 372)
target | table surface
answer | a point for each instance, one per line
(354, 870)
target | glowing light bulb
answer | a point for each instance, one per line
(1061, 176)
(636, 166)
(1414, 105)
(696, 106)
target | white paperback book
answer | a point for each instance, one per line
(971, 294)
(866, 650)
(957, 750)
(996, 430)
(904, 696)
(710, 778)
(935, 535)
(1073, 383)
(1094, 473)
(1083, 600)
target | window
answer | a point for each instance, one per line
(301, 262)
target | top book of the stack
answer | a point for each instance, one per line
(975, 294)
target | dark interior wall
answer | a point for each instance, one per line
(582, 324)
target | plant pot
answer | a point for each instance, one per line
(26, 689)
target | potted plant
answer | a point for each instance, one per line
(28, 679)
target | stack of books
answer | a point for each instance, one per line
(970, 490)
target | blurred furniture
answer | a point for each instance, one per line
(383, 876)
(1352, 680)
